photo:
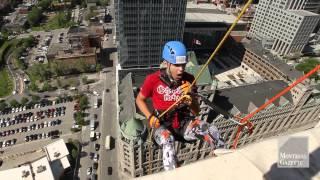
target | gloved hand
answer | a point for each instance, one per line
(186, 99)
(154, 122)
(185, 87)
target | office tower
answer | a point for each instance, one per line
(284, 25)
(312, 6)
(143, 27)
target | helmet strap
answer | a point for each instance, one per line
(165, 76)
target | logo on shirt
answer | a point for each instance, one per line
(169, 94)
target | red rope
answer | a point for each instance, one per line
(284, 91)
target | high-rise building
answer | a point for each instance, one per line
(284, 24)
(312, 6)
(143, 27)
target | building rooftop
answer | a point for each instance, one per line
(19, 173)
(303, 13)
(256, 47)
(207, 13)
(193, 68)
(42, 170)
(56, 150)
(255, 161)
(246, 98)
(126, 99)
(133, 128)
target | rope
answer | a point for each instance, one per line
(211, 56)
(201, 71)
(245, 120)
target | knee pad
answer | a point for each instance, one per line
(163, 136)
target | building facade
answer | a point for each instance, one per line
(143, 27)
(312, 6)
(138, 156)
(284, 24)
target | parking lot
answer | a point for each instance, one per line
(43, 121)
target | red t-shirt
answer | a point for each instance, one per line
(161, 94)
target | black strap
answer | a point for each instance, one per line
(164, 77)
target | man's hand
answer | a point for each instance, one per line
(185, 87)
(186, 99)
(154, 122)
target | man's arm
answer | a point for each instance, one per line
(142, 105)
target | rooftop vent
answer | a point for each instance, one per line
(56, 154)
(25, 173)
(41, 168)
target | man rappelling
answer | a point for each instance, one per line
(165, 87)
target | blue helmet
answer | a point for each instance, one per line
(174, 52)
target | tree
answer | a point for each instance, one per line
(33, 87)
(74, 153)
(98, 67)
(3, 105)
(35, 98)
(84, 79)
(34, 16)
(103, 2)
(45, 4)
(83, 102)
(307, 66)
(59, 83)
(14, 103)
(81, 65)
(24, 101)
(46, 86)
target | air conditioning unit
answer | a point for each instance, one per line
(41, 168)
(56, 154)
(25, 173)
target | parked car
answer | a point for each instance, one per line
(89, 171)
(97, 146)
(109, 170)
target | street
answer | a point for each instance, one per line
(107, 125)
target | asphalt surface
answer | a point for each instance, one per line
(21, 146)
(106, 125)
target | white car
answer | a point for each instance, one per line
(98, 134)
(96, 157)
(89, 171)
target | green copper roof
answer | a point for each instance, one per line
(193, 68)
(133, 127)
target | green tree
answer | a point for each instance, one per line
(83, 102)
(46, 86)
(81, 65)
(34, 16)
(24, 101)
(74, 153)
(103, 2)
(28, 42)
(3, 105)
(45, 4)
(308, 65)
(35, 98)
(98, 67)
(14, 103)
(84, 79)
(33, 87)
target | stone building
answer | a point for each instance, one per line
(297, 110)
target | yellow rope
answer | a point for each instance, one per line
(200, 72)
(211, 56)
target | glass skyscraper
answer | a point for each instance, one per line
(143, 27)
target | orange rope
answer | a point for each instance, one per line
(245, 120)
